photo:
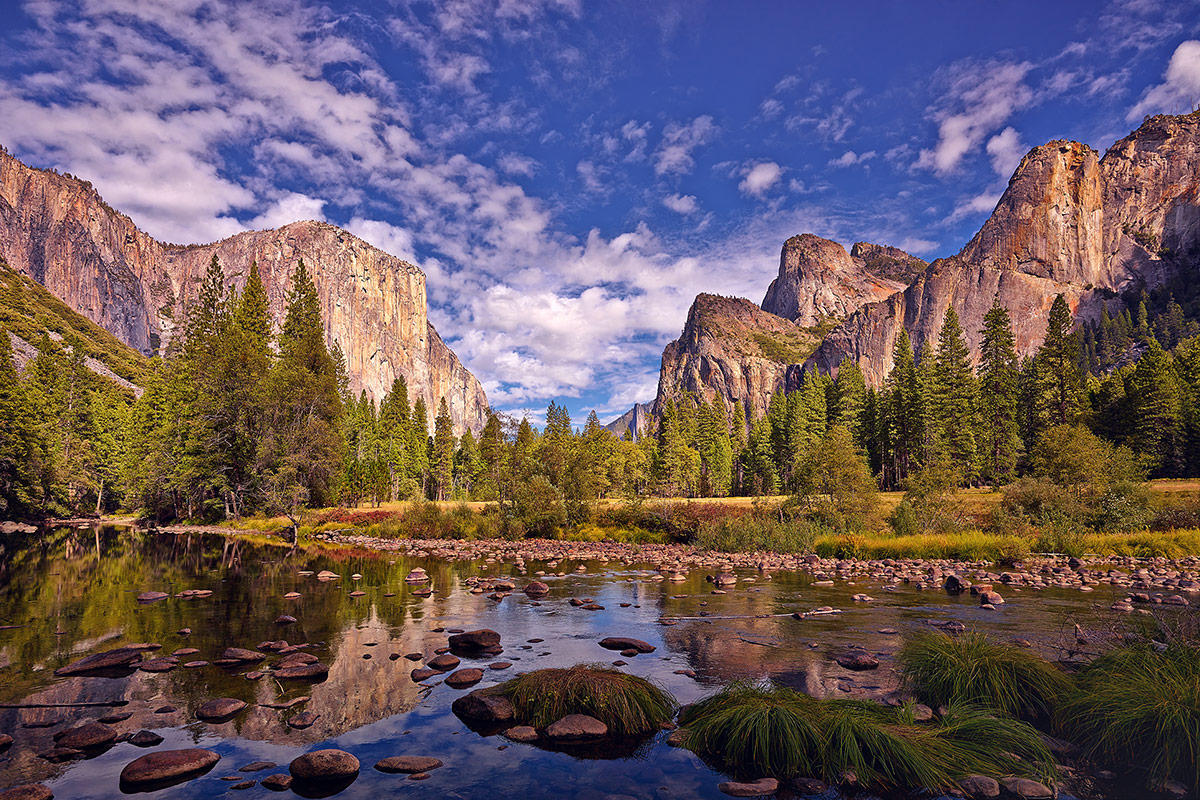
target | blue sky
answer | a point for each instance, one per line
(570, 173)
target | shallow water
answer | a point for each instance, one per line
(69, 592)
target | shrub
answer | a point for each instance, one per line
(537, 507)
(1140, 708)
(751, 533)
(627, 704)
(767, 730)
(972, 669)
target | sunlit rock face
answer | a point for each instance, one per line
(819, 281)
(58, 230)
(1070, 222)
(729, 349)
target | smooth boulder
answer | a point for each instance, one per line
(482, 707)
(28, 791)
(408, 764)
(475, 640)
(121, 658)
(93, 734)
(324, 765)
(220, 708)
(157, 770)
(464, 678)
(627, 643)
(576, 727)
(762, 786)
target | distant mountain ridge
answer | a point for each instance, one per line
(1070, 222)
(57, 230)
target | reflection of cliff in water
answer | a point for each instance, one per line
(760, 643)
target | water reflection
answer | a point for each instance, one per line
(69, 592)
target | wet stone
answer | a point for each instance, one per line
(166, 766)
(408, 764)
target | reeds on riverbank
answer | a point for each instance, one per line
(629, 705)
(1140, 708)
(973, 669)
(766, 730)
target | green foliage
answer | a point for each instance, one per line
(756, 533)
(627, 704)
(767, 730)
(1140, 708)
(972, 669)
(833, 484)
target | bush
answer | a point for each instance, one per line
(767, 730)
(972, 669)
(537, 507)
(1140, 708)
(751, 533)
(627, 704)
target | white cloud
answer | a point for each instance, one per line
(912, 244)
(771, 108)
(980, 204)
(589, 173)
(291, 207)
(517, 164)
(674, 155)
(979, 99)
(850, 158)
(1179, 92)
(1006, 151)
(681, 203)
(759, 178)
(387, 237)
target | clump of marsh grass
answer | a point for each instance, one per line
(972, 669)
(767, 730)
(627, 704)
(1141, 708)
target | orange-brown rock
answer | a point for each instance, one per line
(732, 349)
(56, 229)
(1070, 222)
(819, 281)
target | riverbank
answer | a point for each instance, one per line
(1135, 582)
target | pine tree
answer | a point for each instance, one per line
(443, 452)
(848, 397)
(998, 392)
(419, 446)
(1157, 413)
(954, 399)
(1060, 396)
(493, 451)
(302, 451)
(19, 444)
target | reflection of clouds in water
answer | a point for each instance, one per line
(367, 705)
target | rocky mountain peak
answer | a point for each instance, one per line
(819, 281)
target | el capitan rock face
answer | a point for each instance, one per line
(1070, 222)
(819, 281)
(57, 229)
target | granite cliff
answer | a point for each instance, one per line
(819, 281)
(57, 230)
(1069, 222)
(731, 349)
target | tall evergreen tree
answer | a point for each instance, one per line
(443, 452)
(1158, 413)
(19, 444)
(1000, 441)
(954, 399)
(1060, 396)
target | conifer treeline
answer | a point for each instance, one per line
(239, 419)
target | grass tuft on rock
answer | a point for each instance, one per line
(973, 669)
(627, 704)
(1140, 708)
(765, 730)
